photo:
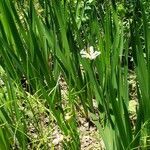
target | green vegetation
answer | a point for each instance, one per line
(87, 48)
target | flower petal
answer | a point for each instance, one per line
(91, 48)
(95, 54)
(83, 52)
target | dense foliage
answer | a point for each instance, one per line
(90, 45)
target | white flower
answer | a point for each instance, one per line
(89, 53)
